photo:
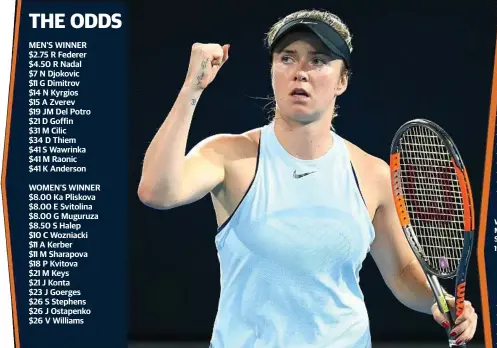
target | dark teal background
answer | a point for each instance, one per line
(423, 59)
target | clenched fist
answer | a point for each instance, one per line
(205, 62)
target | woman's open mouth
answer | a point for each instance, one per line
(299, 94)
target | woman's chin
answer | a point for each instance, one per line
(302, 116)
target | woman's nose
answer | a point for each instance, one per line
(301, 75)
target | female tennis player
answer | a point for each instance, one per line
(298, 206)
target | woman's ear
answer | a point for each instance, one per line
(342, 83)
(271, 76)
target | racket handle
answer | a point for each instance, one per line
(452, 341)
(443, 307)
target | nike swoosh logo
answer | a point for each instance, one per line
(298, 176)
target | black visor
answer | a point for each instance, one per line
(328, 36)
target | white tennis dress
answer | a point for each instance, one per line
(291, 252)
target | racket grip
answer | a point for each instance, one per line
(452, 341)
(452, 344)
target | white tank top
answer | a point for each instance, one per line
(291, 253)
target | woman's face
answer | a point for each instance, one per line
(306, 81)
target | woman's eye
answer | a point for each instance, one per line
(286, 59)
(318, 61)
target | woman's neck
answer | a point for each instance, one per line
(305, 141)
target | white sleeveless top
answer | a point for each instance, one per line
(291, 253)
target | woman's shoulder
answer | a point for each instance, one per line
(233, 146)
(373, 167)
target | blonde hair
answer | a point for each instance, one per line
(324, 16)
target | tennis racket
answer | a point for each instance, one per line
(434, 203)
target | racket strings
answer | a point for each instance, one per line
(433, 198)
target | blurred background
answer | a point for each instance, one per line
(420, 59)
